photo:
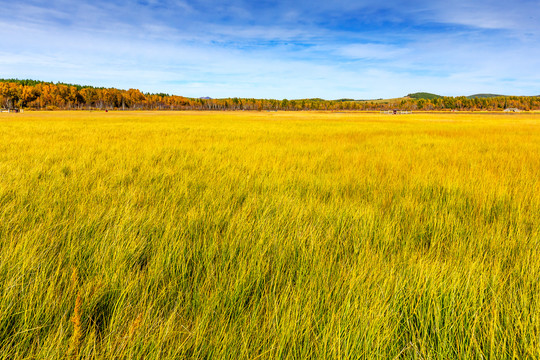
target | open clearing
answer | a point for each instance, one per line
(273, 235)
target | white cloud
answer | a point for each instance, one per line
(371, 51)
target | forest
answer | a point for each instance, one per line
(37, 95)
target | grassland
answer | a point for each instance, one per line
(269, 235)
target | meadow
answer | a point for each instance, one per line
(255, 235)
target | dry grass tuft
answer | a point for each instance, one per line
(77, 335)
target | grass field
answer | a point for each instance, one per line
(269, 235)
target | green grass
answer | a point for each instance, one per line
(269, 235)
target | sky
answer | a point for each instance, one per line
(359, 49)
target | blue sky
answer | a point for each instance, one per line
(277, 49)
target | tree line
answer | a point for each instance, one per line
(36, 95)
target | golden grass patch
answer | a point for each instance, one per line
(270, 235)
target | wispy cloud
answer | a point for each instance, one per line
(371, 51)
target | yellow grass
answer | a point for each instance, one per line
(269, 235)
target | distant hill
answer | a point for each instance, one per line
(430, 96)
(484, 96)
(344, 100)
(424, 95)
